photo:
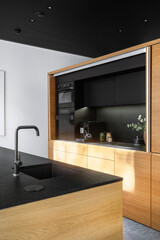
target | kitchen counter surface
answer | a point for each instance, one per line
(129, 146)
(12, 191)
(123, 145)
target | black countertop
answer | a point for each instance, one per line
(123, 145)
(12, 191)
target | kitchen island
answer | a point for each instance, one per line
(82, 204)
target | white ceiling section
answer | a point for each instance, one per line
(1, 103)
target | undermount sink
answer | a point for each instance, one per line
(49, 170)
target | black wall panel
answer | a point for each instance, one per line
(120, 89)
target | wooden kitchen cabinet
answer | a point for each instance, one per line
(155, 201)
(78, 148)
(59, 148)
(101, 152)
(76, 159)
(76, 154)
(101, 165)
(101, 158)
(155, 117)
(50, 149)
(134, 167)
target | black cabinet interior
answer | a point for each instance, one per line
(112, 92)
(117, 89)
(115, 118)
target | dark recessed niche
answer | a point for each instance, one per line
(117, 118)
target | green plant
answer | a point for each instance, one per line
(140, 125)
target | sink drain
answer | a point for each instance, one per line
(33, 188)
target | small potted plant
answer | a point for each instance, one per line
(140, 125)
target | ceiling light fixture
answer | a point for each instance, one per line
(145, 20)
(40, 14)
(31, 20)
(49, 8)
(120, 30)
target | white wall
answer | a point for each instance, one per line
(26, 71)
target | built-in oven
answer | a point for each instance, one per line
(65, 95)
(65, 111)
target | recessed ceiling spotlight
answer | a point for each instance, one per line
(31, 20)
(40, 14)
(145, 20)
(49, 8)
(17, 31)
(120, 30)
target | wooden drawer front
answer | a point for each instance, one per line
(59, 145)
(134, 167)
(155, 192)
(101, 165)
(78, 148)
(76, 159)
(50, 153)
(59, 156)
(101, 152)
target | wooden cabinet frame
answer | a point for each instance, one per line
(147, 48)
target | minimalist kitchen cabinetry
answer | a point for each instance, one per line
(117, 89)
(59, 148)
(50, 149)
(90, 156)
(76, 154)
(155, 141)
(101, 158)
(140, 171)
(155, 200)
(134, 167)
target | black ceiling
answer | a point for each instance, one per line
(86, 27)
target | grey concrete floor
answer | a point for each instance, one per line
(136, 231)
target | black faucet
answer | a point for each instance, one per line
(17, 159)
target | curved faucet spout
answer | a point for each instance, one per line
(17, 161)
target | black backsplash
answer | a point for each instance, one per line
(116, 119)
(82, 115)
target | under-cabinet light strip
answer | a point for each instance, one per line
(107, 60)
(147, 102)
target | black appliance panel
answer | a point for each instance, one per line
(65, 95)
(114, 90)
(65, 127)
(65, 111)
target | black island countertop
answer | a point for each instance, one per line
(12, 191)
